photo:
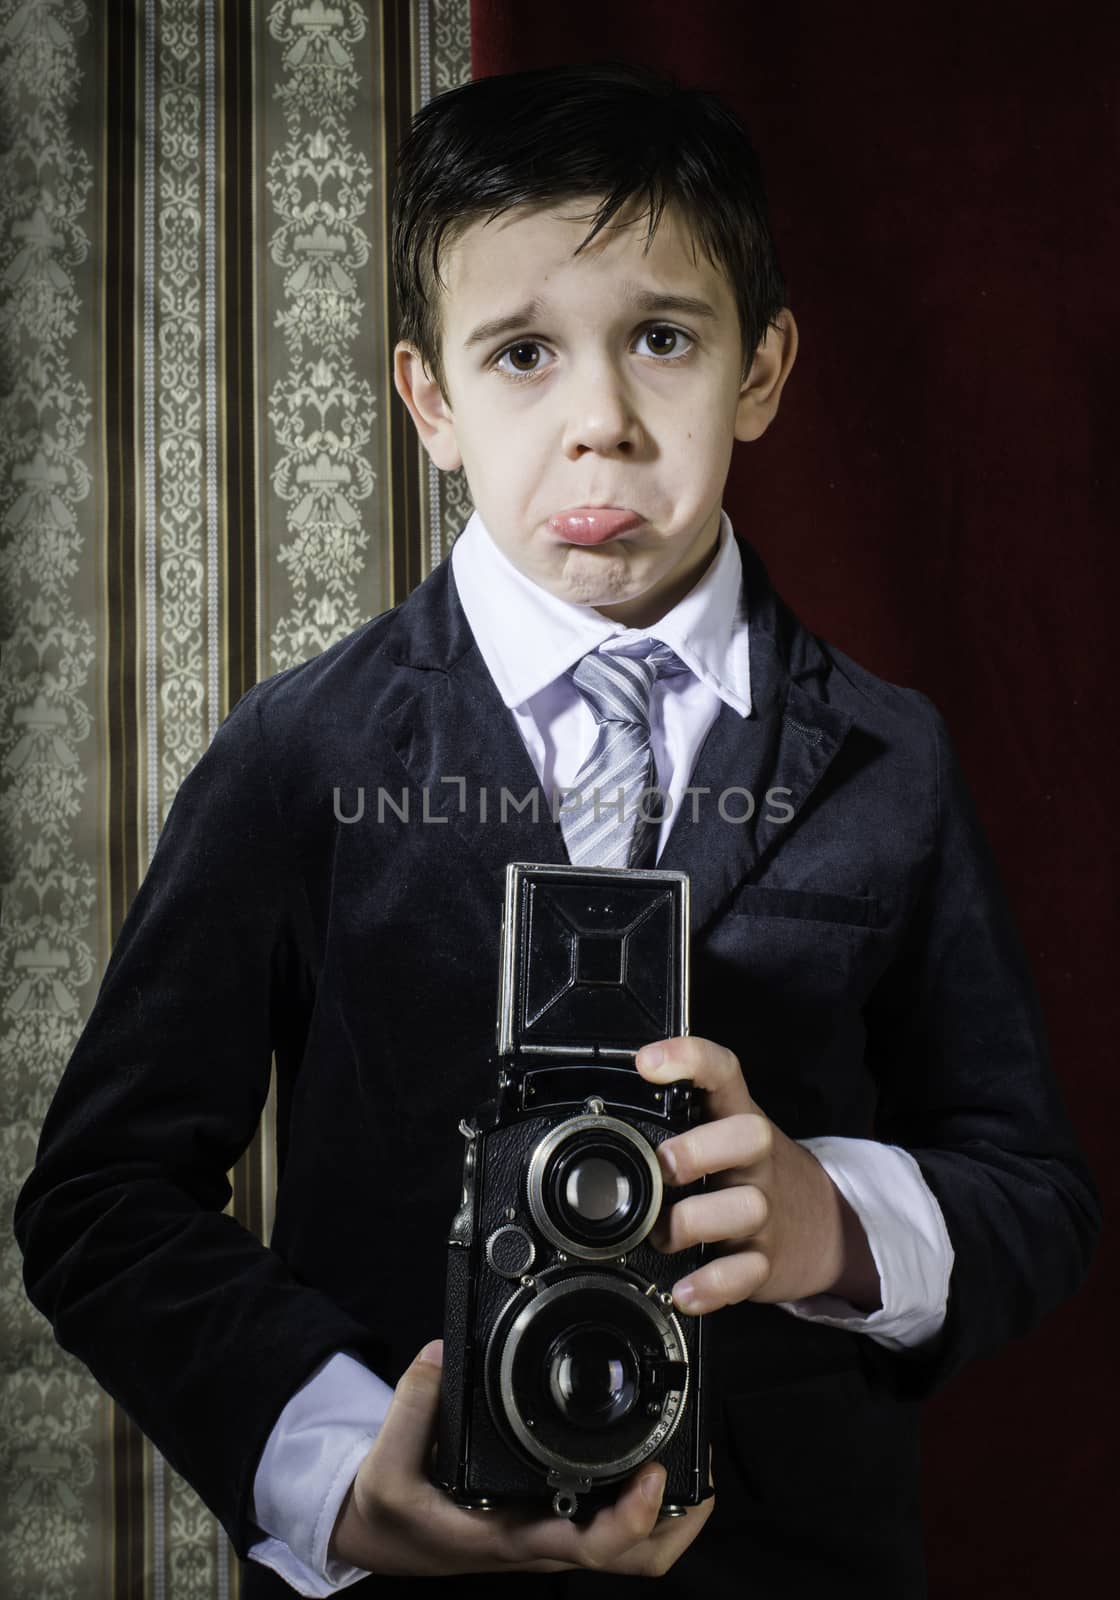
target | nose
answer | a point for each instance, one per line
(601, 413)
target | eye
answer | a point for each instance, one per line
(518, 352)
(662, 330)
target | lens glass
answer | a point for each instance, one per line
(596, 1188)
(592, 1376)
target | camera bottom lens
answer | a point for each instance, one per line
(587, 1373)
(592, 1376)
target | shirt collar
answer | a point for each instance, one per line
(529, 637)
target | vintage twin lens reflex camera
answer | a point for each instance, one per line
(565, 1364)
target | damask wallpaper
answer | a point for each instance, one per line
(205, 476)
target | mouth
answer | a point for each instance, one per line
(589, 525)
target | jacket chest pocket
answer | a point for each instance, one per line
(810, 947)
(781, 979)
(809, 905)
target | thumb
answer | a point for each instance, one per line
(405, 1436)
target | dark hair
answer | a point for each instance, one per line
(609, 129)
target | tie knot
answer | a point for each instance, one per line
(618, 688)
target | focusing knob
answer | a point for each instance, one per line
(510, 1251)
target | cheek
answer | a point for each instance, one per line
(503, 456)
(693, 472)
(701, 432)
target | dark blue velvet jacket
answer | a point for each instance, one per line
(858, 956)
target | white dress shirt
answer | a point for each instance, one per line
(529, 640)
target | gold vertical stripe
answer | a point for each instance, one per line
(222, 245)
(121, 596)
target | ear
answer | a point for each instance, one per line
(427, 407)
(762, 387)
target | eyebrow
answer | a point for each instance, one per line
(651, 300)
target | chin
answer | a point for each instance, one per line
(604, 594)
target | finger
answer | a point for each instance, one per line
(723, 1281)
(719, 1216)
(613, 1530)
(608, 1543)
(518, 1538)
(732, 1143)
(513, 1540)
(668, 1541)
(411, 1528)
(630, 1521)
(405, 1437)
(710, 1066)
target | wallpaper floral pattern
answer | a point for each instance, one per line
(195, 492)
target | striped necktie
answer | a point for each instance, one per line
(614, 825)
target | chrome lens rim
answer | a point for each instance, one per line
(509, 1339)
(537, 1185)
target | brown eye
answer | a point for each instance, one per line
(670, 334)
(517, 351)
(509, 361)
(672, 351)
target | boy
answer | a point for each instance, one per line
(894, 1186)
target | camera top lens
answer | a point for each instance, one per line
(594, 1187)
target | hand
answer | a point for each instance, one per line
(394, 1521)
(781, 1228)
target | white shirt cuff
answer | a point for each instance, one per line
(906, 1232)
(310, 1460)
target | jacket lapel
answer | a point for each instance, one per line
(458, 742)
(778, 755)
(763, 769)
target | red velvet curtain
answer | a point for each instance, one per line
(938, 498)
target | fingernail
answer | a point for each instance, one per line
(652, 1055)
(652, 1487)
(432, 1353)
(684, 1294)
(668, 1161)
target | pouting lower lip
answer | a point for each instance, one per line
(594, 524)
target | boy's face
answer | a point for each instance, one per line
(591, 399)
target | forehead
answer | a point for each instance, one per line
(530, 251)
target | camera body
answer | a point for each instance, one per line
(566, 1365)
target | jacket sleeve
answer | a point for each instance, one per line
(957, 1044)
(198, 1330)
